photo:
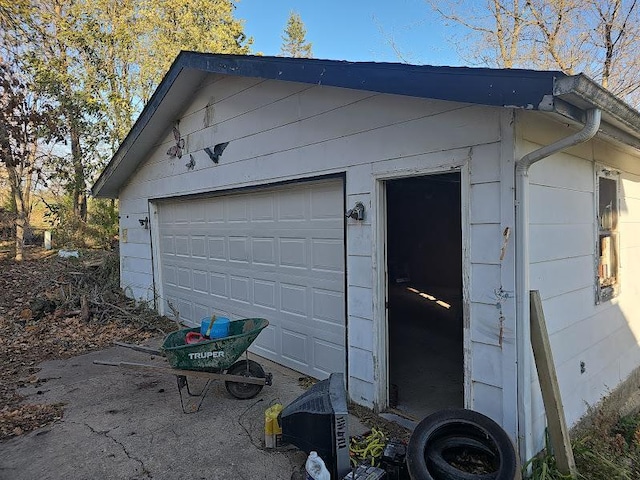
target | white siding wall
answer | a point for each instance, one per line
(136, 277)
(563, 259)
(282, 131)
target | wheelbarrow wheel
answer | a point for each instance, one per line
(246, 368)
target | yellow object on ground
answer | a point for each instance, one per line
(367, 448)
(272, 430)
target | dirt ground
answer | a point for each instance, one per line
(55, 308)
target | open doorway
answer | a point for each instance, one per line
(425, 304)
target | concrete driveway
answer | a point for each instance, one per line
(129, 425)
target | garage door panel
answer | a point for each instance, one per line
(239, 291)
(264, 293)
(200, 284)
(239, 249)
(197, 212)
(217, 250)
(263, 207)
(294, 346)
(167, 245)
(325, 204)
(182, 246)
(293, 252)
(328, 306)
(318, 329)
(292, 206)
(184, 278)
(263, 251)
(237, 209)
(266, 341)
(199, 246)
(214, 213)
(181, 214)
(185, 307)
(201, 311)
(327, 356)
(293, 299)
(276, 254)
(328, 254)
(169, 276)
(218, 286)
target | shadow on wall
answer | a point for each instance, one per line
(596, 346)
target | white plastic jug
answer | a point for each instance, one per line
(315, 468)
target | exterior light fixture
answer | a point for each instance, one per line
(357, 212)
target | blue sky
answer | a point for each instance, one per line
(356, 30)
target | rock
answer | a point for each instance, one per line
(40, 307)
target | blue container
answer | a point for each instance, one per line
(220, 328)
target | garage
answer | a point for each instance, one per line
(276, 253)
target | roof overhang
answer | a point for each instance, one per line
(573, 96)
(527, 89)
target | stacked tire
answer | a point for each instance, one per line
(443, 438)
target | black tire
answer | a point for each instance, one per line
(246, 368)
(448, 429)
(441, 451)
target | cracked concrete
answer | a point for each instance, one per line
(127, 425)
(124, 448)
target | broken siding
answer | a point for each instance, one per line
(595, 347)
(492, 308)
(281, 131)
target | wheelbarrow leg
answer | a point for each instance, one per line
(184, 382)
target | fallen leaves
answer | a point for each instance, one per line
(26, 418)
(58, 308)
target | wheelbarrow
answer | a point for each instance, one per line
(215, 359)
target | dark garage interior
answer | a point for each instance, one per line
(425, 309)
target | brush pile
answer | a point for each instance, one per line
(51, 308)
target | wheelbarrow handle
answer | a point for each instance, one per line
(187, 373)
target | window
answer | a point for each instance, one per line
(607, 248)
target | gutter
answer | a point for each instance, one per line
(523, 329)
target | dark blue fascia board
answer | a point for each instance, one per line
(483, 86)
(494, 87)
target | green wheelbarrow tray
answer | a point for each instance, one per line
(212, 355)
(209, 360)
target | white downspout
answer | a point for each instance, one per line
(590, 128)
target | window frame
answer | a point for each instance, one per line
(607, 292)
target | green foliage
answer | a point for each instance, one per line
(67, 228)
(103, 225)
(609, 448)
(8, 203)
(69, 231)
(168, 26)
(294, 38)
(95, 63)
(543, 466)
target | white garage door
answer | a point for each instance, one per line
(274, 253)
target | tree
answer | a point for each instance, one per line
(94, 64)
(21, 115)
(24, 118)
(57, 58)
(597, 37)
(294, 43)
(99, 61)
(168, 26)
(493, 32)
